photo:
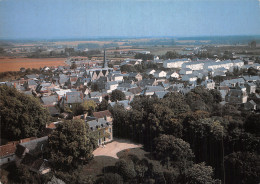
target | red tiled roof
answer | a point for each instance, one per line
(51, 125)
(27, 139)
(102, 114)
(8, 149)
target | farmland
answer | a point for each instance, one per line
(14, 64)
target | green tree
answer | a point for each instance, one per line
(127, 68)
(70, 145)
(21, 115)
(252, 124)
(94, 86)
(110, 178)
(242, 168)
(103, 105)
(173, 151)
(176, 102)
(88, 106)
(117, 95)
(199, 174)
(126, 169)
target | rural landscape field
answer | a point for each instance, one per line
(14, 64)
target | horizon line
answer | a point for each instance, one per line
(123, 37)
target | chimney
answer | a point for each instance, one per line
(81, 96)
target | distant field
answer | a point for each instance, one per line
(14, 64)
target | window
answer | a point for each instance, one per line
(110, 130)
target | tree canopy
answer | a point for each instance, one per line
(22, 115)
(117, 95)
(70, 144)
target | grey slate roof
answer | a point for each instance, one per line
(74, 97)
(49, 100)
(99, 123)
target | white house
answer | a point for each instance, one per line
(209, 84)
(150, 90)
(117, 77)
(193, 65)
(150, 72)
(159, 74)
(172, 75)
(110, 86)
(175, 63)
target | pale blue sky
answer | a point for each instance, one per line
(130, 18)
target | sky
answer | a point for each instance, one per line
(50, 19)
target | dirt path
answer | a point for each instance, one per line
(111, 149)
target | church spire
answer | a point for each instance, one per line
(105, 60)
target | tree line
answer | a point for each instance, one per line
(195, 125)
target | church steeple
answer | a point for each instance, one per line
(105, 65)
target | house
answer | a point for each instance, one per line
(129, 96)
(40, 166)
(147, 82)
(135, 76)
(209, 84)
(150, 90)
(159, 74)
(223, 91)
(124, 103)
(49, 100)
(111, 86)
(118, 77)
(62, 79)
(95, 95)
(189, 78)
(7, 153)
(218, 73)
(45, 87)
(172, 75)
(125, 86)
(72, 99)
(160, 94)
(150, 71)
(251, 105)
(250, 87)
(135, 91)
(193, 65)
(131, 62)
(185, 71)
(175, 63)
(101, 129)
(236, 95)
(232, 82)
(103, 114)
(30, 85)
(251, 78)
(32, 76)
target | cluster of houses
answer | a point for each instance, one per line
(29, 152)
(64, 87)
